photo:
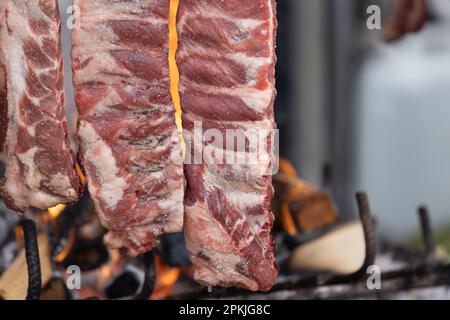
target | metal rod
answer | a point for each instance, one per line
(370, 240)
(427, 232)
(369, 230)
(394, 282)
(33, 260)
(150, 277)
(410, 277)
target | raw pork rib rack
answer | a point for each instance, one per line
(129, 141)
(34, 147)
(226, 59)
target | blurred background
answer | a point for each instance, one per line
(356, 112)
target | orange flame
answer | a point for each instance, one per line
(166, 278)
(286, 218)
(110, 268)
(65, 252)
(55, 211)
(173, 67)
(80, 174)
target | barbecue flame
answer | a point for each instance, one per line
(80, 174)
(174, 72)
(166, 278)
(286, 218)
(55, 211)
(112, 267)
(67, 249)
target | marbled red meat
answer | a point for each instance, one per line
(226, 59)
(34, 146)
(129, 141)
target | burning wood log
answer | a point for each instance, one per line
(14, 281)
(301, 206)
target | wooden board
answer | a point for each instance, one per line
(14, 281)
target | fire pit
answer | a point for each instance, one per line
(64, 258)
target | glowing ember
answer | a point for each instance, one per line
(110, 268)
(56, 211)
(166, 277)
(65, 252)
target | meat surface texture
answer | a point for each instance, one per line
(129, 141)
(39, 169)
(226, 58)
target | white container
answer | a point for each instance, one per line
(402, 131)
